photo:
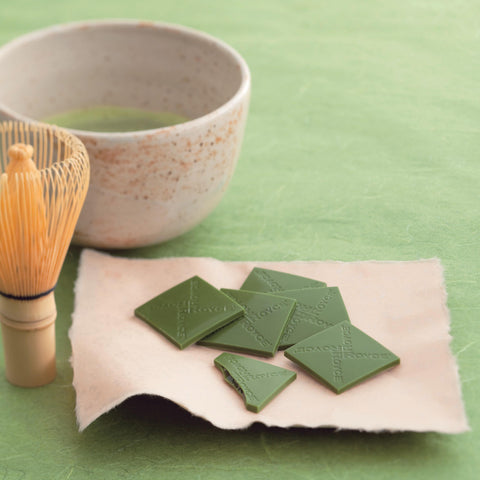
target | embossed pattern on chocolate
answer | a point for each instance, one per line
(259, 330)
(189, 311)
(341, 356)
(256, 382)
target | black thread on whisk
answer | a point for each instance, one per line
(28, 297)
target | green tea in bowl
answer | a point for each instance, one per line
(109, 118)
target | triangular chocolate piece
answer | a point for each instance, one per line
(256, 381)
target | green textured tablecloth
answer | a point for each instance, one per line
(362, 143)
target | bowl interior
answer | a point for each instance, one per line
(158, 68)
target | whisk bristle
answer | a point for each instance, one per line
(44, 181)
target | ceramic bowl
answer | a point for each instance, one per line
(146, 186)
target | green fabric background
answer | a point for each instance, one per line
(362, 143)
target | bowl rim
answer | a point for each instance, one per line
(242, 90)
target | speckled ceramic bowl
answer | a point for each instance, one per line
(152, 185)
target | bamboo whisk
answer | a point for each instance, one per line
(43, 184)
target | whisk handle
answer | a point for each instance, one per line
(28, 331)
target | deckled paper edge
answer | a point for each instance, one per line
(435, 260)
(445, 308)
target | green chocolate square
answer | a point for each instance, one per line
(316, 310)
(257, 382)
(259, 330)
(265, 280)
(341, 356)
(189, 311)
